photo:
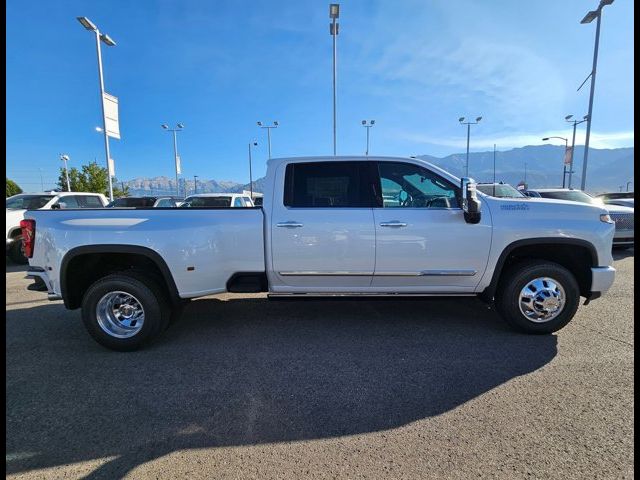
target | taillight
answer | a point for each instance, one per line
(28, 228)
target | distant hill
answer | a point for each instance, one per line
(608, 169)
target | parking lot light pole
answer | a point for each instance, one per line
(564, 165)
(368, 127)
(65, 159)
(588, 18)
(195, 184)
(268, 127)
(334, 26)
(255, 144)
(104, 38)
(468, 124)
(628, 185)
(573, 141)
(179, 127)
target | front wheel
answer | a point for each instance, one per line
(125, 310)
(538, 297)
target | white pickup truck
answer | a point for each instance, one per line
(356, 226)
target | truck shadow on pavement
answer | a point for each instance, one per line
(247, 371)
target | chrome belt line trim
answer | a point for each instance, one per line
(326, 274)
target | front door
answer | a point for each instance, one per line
(322, 230)
(423, 244)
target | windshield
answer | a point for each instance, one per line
(132, 202)
(572, 195)
(208, 202)
(500, 191)
(28, 202)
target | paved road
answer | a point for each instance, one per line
(242, 387)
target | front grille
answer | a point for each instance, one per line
(624, 221)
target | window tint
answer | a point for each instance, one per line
(89, 201)
(166, 202)
(411, 186)
(209, 202)
(247, 202)
(69, 202)
(238, 202)
(28, 201)
(328, 184)
(133, 202)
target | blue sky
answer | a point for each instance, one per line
(219, 66)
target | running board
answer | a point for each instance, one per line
(351, 296)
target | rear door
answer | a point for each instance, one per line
(423, 243)
(322, 231)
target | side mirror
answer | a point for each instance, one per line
(470, 203)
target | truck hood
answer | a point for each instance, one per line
(551, 208)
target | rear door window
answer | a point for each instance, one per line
(68, 201)
(329, 185)
(89, 201)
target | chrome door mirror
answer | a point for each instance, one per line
(470, 203)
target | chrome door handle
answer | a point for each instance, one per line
(289, 224)
(393, 224)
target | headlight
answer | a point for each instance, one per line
(605, 217)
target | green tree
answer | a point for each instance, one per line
(90, 178)
(12, 188)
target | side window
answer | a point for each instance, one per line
(89, 201)
(247, 202)
(411, 186)
(328, 185)
(238, 202)
(69, 201)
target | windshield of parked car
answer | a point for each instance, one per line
(500, 191)
(208, 202)
(572, 195)
(29, 202)
(132, 202)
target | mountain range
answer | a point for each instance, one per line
(608, 170)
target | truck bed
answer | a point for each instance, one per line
(202, 247)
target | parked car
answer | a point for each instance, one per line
(621, 215)
(325, 230)
(499, 190)
(150, 201)
(17, 205)
(623, 202)
(217, 200)
(615, 195)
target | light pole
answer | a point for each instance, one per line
(628, 185)
(250, 173)
(588, 18)
(195, 184)
(564, 165)
(179, 127)
(334, 26)
(86, 23)
(525, 173)
(269, 127)
(573, 141)
(368, 127)
(468, 124)
(65, 159)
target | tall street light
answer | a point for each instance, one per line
(176, 157)
(269, 127)
(628, 185)
(568, 118)
(104, 38)
(588, 18)
(334, 26)
(468, 124)
(564, 162)
(65, 159)
(255, 144)
(195, 184)
(368, 127)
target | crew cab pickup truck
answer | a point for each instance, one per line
(329, 226)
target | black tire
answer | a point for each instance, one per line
(149, 294)
(514, 281)
(15, 252)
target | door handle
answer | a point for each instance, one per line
(393, 224)
(289, 224)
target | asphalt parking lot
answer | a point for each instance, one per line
(243, 387)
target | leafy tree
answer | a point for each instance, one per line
(12, 188)
(91, 178)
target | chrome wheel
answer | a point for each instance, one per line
(120, 314)
(542, 299)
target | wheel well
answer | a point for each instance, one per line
(578, 259)
(82, 270)
(16, 232)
